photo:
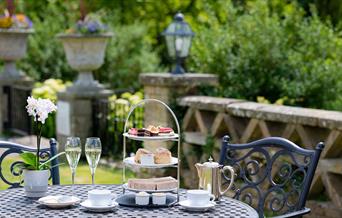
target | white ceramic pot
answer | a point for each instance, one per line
(85, 53)
(13, 47)
(36, 183)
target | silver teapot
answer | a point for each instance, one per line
(210, 175)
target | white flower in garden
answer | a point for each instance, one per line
(40, 108)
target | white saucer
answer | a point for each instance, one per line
(59, 201)
(86, 204)
(186, 205)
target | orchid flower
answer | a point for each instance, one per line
(40, 108)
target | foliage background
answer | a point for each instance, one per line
(279, 50)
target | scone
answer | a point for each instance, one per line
(140, 151)
(162, 156)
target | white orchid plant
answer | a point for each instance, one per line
(39, 109)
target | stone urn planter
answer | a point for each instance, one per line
(36, 183)
(85, 53)
(13, 43)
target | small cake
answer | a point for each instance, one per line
(139, 153)
(141, 132)
(163, 183)
(162, 156)
(141, 184)
(152, 131)
(133, 131)
(167, 185)
(165, 131)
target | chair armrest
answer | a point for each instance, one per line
(295, 213)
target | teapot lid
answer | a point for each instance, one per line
(211, 164)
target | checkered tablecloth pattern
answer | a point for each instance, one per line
(13, 203)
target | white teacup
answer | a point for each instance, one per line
(99, 197)
(197, 197)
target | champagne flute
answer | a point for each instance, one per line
(93, 153)
(73, 153)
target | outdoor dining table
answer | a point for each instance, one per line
(13, 203)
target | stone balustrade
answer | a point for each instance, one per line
(245, 121)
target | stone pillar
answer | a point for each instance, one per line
(75, 114)
(167, 88)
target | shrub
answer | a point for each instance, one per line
(45, 55)
(48, 89)
(256, 52)
(128, 53)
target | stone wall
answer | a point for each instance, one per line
(167, 87)
(246, 121)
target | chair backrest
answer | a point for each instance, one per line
(10, 175)
(273, 174)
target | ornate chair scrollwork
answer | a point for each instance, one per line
(9, 151)
(274, 175)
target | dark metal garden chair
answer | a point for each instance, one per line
(12, 176)
(273, 174)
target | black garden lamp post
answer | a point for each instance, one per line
(178, 37)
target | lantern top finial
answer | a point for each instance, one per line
(179, 17)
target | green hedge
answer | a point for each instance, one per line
(275, 49)
(285, 55)
(128, 53)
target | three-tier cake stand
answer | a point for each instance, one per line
(129, 161)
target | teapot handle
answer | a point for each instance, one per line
(232, 173)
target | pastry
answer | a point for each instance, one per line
(139, 153)
(165, 131)
(149, 131)
(141, 132)
(163, 183)
(141, 184)
(152, 131)
(133, 131)
(162, 156)
(166, 185)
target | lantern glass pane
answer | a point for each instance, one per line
(170, 43)
(186, 46)
(178, 37)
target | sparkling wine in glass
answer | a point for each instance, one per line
(73, 152)
(93, 153)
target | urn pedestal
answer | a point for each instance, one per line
(84, 53)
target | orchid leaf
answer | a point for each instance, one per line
(57, 165)
(44, 165)
(29, 159)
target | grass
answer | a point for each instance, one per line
(104, 175)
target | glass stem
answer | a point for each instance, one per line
(93, 178)
(73, 172)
